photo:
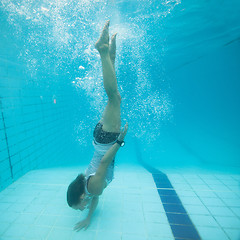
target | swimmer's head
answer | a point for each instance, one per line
(76, 193)
(83, 203)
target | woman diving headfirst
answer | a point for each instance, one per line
(108, 137)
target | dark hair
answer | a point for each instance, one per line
(75, 190)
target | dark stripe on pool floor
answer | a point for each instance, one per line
(180, 223)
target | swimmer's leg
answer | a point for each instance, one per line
(112, 49)
(111, 118)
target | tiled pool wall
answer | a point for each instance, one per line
(33, 120)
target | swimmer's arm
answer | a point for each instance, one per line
(86, 222)
(92, 207)
(97, 182)
(110, 154)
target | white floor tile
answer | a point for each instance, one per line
(235, 189)
(108, 235)
(183, 193)
(151, 198)
(110, 218)
(224, 177)
(233, 234)
(197, 209)
(60, 234)
(236, 177)
(230, 182)
(4, 206)
(191, 201)
(132, 216)
(45, 220)
(157, 238)
(66, 222)
(37, 233)
(25, 218)
(210, 233)
(212, 202)
(204, 221)
(12, 238)
(16, 230)
(207, 177)
(212, 181)
(197, 181)
(34, 208)
(8, 217)
(231, 202)
(132, 206)
(191, 176)
(206, 194)
(134, 228)
(200, 187)
(88, 235)
(4, 227)
(227, 195)
(8, 198)
(180, 186)
(130, 197)
(217, 187)
(133, 237)
(228, 222)
(158, 229)
(152, 207)
(152, 217)
(18, 207)
(220, 211)
(236, 211)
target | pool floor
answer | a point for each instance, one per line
(35, 207)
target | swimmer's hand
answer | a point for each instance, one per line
(123, 133)
(82, 224)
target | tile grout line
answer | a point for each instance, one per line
(6, 139)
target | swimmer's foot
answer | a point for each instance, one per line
(112, 48)
(102, 44)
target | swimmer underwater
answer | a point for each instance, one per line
(85, 190)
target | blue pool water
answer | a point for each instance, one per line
(178, 70)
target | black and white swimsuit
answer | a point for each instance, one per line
(100, 151)
(102, 142)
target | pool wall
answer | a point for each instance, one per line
(34, 116)
(205, 128)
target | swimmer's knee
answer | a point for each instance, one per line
(115, 98)
(119, 98)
